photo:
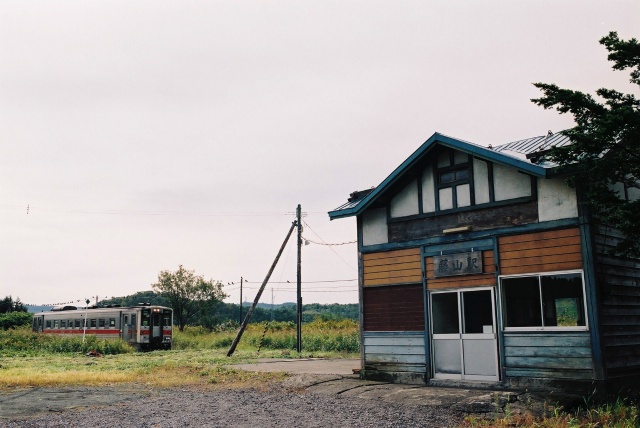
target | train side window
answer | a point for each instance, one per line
(76, 323)
(63, 324)
(101, 322)
(48, 324)
(126, 319)
(133, 321)
(92, 323)
(56, 324)
(112, 322)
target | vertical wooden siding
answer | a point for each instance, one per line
(392, 267)
(548, 251)
(486, 278)
(619, 281)
(393, 308)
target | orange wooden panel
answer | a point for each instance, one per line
(542, 260)
(391, 261)
(540, 252)
(394, 253)
(550, 267)
(480, 280)
(536, 236)
(393, 281)
(545, 243)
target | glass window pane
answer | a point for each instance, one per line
(562, 300)
(463, 195)
(444, 307)
(446, 198)
(447, 177)
(460, 157)
(522, 302)
(462, 174)
(444, 159)
(477, 312)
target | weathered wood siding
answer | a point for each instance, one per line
(481, 219)
(486, 278)
(619, 281)
(549, 251)
(396, 351)
(559, 355)
(392, 267)
(393, 308)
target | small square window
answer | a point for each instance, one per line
(112, 322)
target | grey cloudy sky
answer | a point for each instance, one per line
(147, 134)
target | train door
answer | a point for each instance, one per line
(155, 332)
(38, 322)
(126, 327)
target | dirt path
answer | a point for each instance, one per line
(112, 407)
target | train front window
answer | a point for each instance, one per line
(166, 318)
(145, 318)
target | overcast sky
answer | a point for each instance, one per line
(147, 134)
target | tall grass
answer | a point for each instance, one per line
(23, 342)
(317, 336)
(617, 412)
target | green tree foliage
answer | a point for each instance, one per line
(188, 294)
(15, 319)
(9, 305)
(604, 159)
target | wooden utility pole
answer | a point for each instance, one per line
(241, 300)
(299, 280)
(247, 318)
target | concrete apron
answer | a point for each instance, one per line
(336, 377)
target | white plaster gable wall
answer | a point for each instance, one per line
(481, 181)
(428, 192)
(556, 200)
(374, 227)
(508, 183)
(406, 201)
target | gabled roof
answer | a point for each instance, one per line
(515, 155)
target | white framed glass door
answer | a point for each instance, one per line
(463, 334)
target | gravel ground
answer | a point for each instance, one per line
(242, 408)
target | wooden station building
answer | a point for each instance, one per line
(480, 264)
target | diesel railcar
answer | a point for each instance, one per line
(145, 327)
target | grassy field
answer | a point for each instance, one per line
(198, 357)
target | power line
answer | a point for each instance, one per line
(35, 209)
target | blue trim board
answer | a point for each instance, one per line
(435, 139)
(425, 307)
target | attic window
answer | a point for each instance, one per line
(454, 186)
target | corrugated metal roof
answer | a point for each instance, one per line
(535, 144)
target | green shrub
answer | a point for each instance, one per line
(15, 319)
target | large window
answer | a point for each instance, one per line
(544, 301)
